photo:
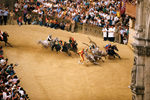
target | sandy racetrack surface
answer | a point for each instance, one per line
(46, 75)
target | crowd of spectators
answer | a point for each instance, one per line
(9, 82)
(3, 15)
(101, 13)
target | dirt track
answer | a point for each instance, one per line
(46, 75)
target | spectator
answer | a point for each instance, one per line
(72, 25)
(47, 22)
(34, 21)
(1, 15)
(19, 21)
(67, 27)
(56, 24)
(40, 20)
(11, 17)
(28, 16)
(24, 16)
(62, 25)
(111, 34)
(5, 16)
(9, 83)
(121, 34)
(104, 30)
(116, 34)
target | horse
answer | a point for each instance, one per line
(98, 52)
(90, 58)
(73, 47)
(5, 39)
(111, 51)
(58, 47)
(53, 44)
(65, 49)
(45, 43)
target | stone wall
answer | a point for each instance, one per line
(141, 85)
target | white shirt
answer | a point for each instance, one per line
(21, 92)
(104, 30)
(2, 61)
(4, 95)
(111, 32)
(122, 32)
(116, 19)
(1, 12)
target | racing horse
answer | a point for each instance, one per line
(5, 39)
(45, 43)
(59, 47)
(91, 58)
(98, 52)
(111, 51)
(66, 49)
(73, 47)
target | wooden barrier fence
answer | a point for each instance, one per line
(89, 29)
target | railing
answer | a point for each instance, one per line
(89, 29)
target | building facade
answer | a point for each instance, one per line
(140, 83)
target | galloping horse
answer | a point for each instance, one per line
(45, 43)
(111, 51)
(5, 39)
(73, 47)
(65, 49)
(94, 49)
(90, 58)
(98, 52)
(58, 47)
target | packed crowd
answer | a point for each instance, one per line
(117, 33)
(9, 82)
(3, 15)
(102, 13)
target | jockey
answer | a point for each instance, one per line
(107, 46)
(1, 34)
(81, 55)
(71, 41)
(49, 37)
(61, 43)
